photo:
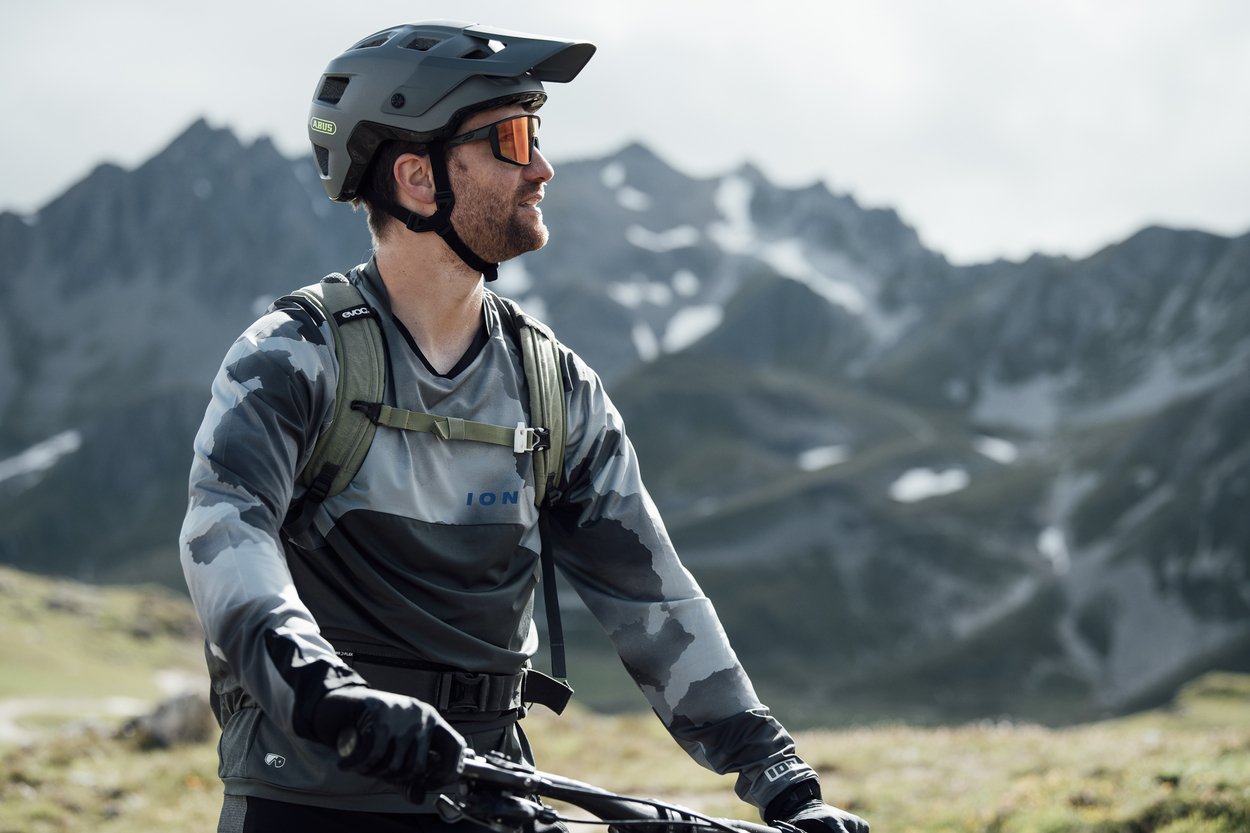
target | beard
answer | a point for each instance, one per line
(495, 228)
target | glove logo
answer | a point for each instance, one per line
(275, 761)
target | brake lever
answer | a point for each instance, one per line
(499, 804)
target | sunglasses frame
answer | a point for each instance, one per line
(491, 132)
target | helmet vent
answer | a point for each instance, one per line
(332, 89)
(372, 42)
(323, 159)
(421, 43)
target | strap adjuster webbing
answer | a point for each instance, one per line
(521, 439)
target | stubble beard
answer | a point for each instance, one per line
(496, 230)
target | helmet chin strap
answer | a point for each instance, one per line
(440, 221)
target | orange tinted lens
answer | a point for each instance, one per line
(515, 138)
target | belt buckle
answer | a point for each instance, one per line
(463, 692)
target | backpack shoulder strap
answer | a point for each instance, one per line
(361, 355)
(540, 355)
(545, 378)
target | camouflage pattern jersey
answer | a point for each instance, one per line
(431, 554)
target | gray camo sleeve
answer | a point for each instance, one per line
(270, 397)
(611, 545)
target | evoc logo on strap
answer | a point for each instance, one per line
(353, 314)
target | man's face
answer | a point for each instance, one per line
(496, 212)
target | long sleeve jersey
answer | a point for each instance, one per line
(431, 554)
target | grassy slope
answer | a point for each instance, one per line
(62, 639)
(1182, 770)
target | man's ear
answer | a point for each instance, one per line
(414, 182)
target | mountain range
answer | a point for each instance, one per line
(914, 489)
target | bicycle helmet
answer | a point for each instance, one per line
(417, 82)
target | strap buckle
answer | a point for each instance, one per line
(373, 410)
(530, 439)
(461, 691)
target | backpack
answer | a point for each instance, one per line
(359, 410)
(341, 449)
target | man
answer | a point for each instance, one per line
(351, 617)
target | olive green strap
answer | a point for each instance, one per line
(541, 358)
(519, 438)
(361, 355)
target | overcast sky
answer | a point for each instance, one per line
(995, 127)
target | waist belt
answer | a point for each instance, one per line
(461, 692)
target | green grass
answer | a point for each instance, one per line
(1183, 769)
(69, 641)
(90, 780)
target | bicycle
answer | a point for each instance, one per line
(503, 796)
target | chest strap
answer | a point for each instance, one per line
(520, 439)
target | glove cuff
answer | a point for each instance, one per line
(334, 711)
(797, 795)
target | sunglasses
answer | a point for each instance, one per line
(512, 140)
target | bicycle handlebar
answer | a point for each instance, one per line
(500, 795)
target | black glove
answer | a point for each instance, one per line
(801, 806)
(389, 736)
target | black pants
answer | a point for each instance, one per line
(242, 814)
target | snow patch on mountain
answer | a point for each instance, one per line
(996, 449)
(645, 342)
(1045, 402)
(680, 237)
(789, 259)
(690, 324)
(613, 178)
(613, 175)
(260, 304)
(734, 233)
(815, 459)
(40, 457)
(1052, 543)
(514, 279)
(514, 282)
(632, 198)
(686, 283)
(641, 290)
(921, 484)
(1164, 383)
(635, 293)
(831, 275)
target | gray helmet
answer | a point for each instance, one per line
(418, 81)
